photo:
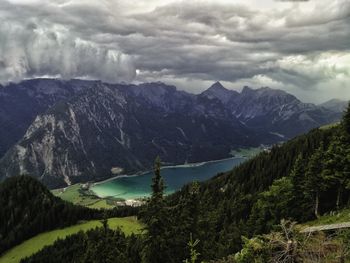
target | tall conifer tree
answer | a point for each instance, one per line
(155, 219)
(315, 183)
(346, 120)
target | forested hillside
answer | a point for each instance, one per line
(98, 245)
(27, 208)
(299, 181)
(233, 204)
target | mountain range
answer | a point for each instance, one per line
(68, 131)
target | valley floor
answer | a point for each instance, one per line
(79, 196)
(127, 224)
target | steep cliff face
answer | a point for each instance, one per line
(92, 128)
(21, 103)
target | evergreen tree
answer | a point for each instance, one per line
(315, 183)
(155, 218)
(185, 220)
(272, 205)
(193, 252)
(157, 183)
(300, 204)
(297, 175)
(337, 166)
(104, 223)
(346, 120)
(189, 203)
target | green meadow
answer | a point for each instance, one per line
(127, 224)
(337, 217)
(76, 195)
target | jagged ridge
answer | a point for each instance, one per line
(99, 126)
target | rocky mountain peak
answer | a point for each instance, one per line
(247, 90)
(218, 91)
(217, 86)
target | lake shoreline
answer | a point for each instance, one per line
(189, 165)
(137, 186)
(132, 189)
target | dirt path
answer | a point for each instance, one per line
(326, 227)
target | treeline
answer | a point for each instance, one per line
(226, 203)
(255, 196)
(97, 245)
(317, 184)
(28, 208)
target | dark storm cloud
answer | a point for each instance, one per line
(31, 45)
(232, 42)
(301, 45)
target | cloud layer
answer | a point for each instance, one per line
(33, 46)
(302, 47)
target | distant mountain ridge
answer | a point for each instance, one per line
(336, 105)
(273, 111)
(85, 128)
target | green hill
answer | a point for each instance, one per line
(128, 225)
(28, 208)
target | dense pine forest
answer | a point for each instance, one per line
(27, 208)
(233, 212)
(97, 245)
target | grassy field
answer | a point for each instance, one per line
(328, 126)
(127, 224)
(75, 195)
(246, 152)
(337, 217)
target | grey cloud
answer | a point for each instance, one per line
(246, 32)
(29, 49)
(197, 40)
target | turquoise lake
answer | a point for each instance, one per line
(138, 186)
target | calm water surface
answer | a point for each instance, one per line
(131, 187)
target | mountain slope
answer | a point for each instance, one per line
(86, 128)
(282, 184)
(335, 105)
(84, 138)
(21, 103)
(28, 208)
(277, 112)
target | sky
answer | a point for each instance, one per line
(299, 46)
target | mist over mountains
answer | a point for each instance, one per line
(65, 132)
